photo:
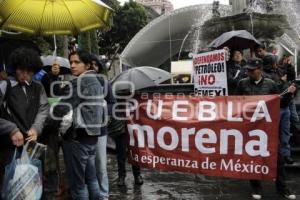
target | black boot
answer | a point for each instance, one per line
(288, 160)
(121, 181)
(138, 180)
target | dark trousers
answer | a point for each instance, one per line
(6, 154)
(280, 180)
(121, 148)
(295, 123)
(51, 169)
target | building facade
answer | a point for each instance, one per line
(160, 6)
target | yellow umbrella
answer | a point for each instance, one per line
(52, 17)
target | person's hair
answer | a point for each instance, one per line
(83, 55)
(261, 47)
(101, 69)
(232, 53)
(281, 60)
(25, 59)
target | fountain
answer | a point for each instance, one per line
(186, 31)
(271, 21)
(257, 17)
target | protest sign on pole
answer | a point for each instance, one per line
(230, 136)
(210, 77)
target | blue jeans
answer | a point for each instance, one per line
(284, 132)
(101, 166)
(80, 169)
(294, 115)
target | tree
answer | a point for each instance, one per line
(46, 44)
(114, 4)
(89, 40)
(128, 20)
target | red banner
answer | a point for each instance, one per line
(216, 136)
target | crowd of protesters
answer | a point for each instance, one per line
(264, 75)
(75, 124)
(77, 128)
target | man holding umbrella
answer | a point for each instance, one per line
(49, 78)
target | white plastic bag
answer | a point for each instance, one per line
(66, 122)
(23, 180)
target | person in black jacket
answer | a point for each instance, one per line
(120, 138)
(24, 106)
(235, 70)
(287, 66)
(256, 84)
(280, 78)
(266, 57)
(52, 173)
(50, 78)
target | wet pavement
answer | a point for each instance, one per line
(160, 185)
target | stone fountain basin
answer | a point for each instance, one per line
(267, 26)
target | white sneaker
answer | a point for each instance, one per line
(256, 196)
(290, 196)
(286, 193)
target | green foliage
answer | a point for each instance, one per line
(127, 21)
(114, 4)
(89, 41)
(43, 45)
(84, 41)
(46, 44)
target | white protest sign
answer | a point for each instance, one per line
(210, 77)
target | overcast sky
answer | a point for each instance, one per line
(183, 3)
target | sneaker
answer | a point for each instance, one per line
(121, 181)
(286, 193)
(288, 160)
(138, 180)
(256, 194)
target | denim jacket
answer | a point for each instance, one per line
(86, 101)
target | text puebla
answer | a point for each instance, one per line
(222, 136)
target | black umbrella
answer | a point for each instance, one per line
(235, 40)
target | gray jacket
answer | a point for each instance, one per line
(265, 87)
(86, 100)
(7, 127)
(248, 87)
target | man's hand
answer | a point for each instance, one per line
(292, 89)
(32, 135)
(17, 138)
(227, 53)
(284, 78)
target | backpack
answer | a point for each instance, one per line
(116, 127)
